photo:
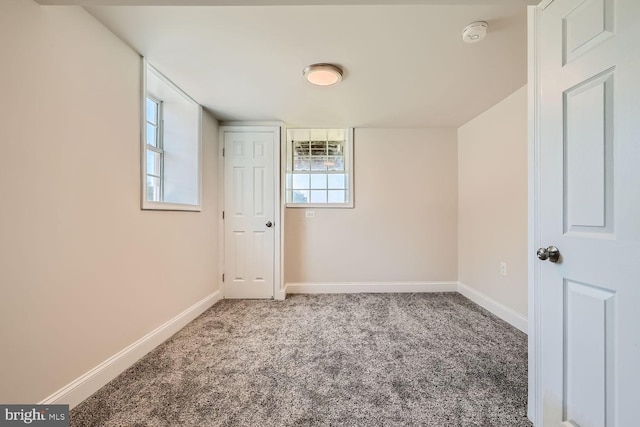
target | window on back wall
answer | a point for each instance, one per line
(171, 164)
(319, 168)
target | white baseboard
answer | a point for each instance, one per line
(369, 287)
(83, 387)
(515, 319)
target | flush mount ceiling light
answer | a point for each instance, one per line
(323, 74)
(475, 32)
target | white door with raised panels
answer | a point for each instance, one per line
(588, 207)
(251, 186)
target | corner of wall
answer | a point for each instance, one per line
(492, 206)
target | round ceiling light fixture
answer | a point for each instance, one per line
(323, 74)
(475, 32)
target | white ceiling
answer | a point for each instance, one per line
(405, 65)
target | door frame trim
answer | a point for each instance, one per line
(535, 397)
(276, 128)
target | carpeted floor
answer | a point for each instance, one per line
(326, 360)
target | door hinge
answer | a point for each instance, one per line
(222, 151)
(223, 277)
(222, 214)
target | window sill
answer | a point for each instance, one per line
(319, 205)
(161, 206)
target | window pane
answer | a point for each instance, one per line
(337, 181)
(318, 148)
(151, 135)
(301, 148)
(301, 181)
(335, 148)
(335, 163)
(301, 196)
(153, 189)
(337, 196)
(153, 163)
(319, 163)
(152, 111)
(318, 196)
(301, 164)
(319, 181)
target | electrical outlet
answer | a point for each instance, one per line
(503, 268)
(310, 214)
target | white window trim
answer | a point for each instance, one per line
(349, 162)
(164, 206)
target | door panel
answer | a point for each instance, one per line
(259, 192)
(589, 353)
(588, 154)
(250, 190)
(588, 302)
(585, 26)
(239, 248)
(261, 269)
(239, 189)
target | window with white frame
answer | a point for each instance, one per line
(154, 150)
(319, 168)
(171, 161)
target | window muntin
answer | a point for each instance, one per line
(319, 168)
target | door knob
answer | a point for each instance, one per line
(551, 253)
(269, 224)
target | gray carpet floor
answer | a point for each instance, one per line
(326, 360)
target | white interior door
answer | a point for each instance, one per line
(588, 207)
(250, 222)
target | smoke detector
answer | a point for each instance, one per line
(475, 32)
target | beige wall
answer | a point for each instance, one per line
(404, 224)
(83, 271)
(492, 164)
